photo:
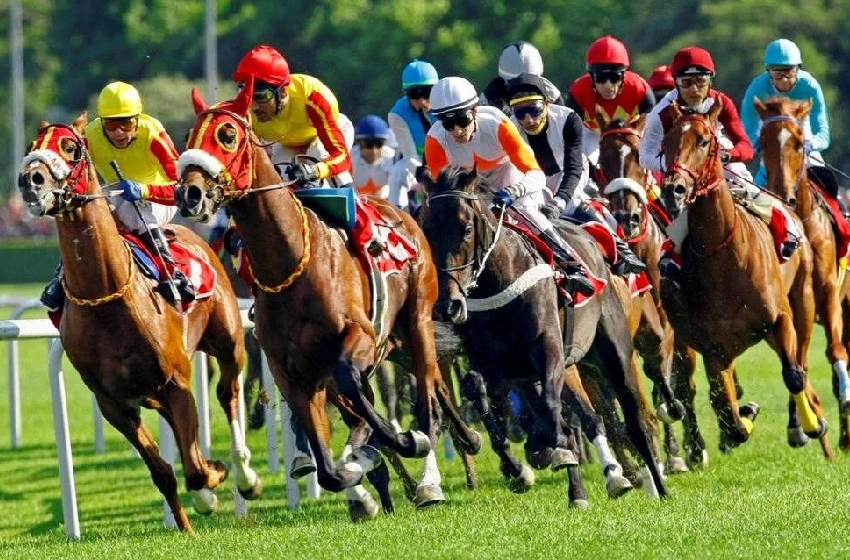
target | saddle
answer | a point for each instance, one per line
(840, 224)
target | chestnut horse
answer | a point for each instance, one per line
(495, 288)
(734, 292)
(781, 139)
(131, 347)
(666, 359)
(314, 299)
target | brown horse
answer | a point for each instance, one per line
(781, 139)
(132, 347)
(314, 299)
(734, 290)
(624, 182)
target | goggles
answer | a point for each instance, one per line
(456, 118)
(262, 94)
(690, 81)
(783, 73)
(419, 92)
(371, 142)
(602, 76)
(532, 110)
(127, 124)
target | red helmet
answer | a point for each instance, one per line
(662, 77)
(606, 53)
(693, 61)
(266, 64)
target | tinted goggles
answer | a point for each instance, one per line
(690, 81)
(419, 92)
(125, 124)
(453, 119)
(532, 110)
(262, 94)
(613, 76)
(783, 73)
(371, 142)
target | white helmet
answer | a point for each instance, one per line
(518, 58)
(452, 94)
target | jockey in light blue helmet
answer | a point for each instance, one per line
(784, 78)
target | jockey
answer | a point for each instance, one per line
(661, 81)
(409, 119)
(373, 160)
(784, 78)
(554, 134)
(517, 58)
(298, 112)
(693, 70)
(147, 159)
(610, 87)
(470, 136)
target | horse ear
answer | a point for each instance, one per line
(41, 126)
(716, 109)
(467, 179)
(802, 109)
(80, 123)
(198, 102)
(761, 108)
(601, 119)
(242, 103)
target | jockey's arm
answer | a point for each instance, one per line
(436, 158)
(523, 159)
(749, 116)
(650, 153)
(741, 150)
(572, 164)
(404, 139)
(819, 119)
(330, 134)
(648, 102)
(163, 149)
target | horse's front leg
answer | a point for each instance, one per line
(684, 387)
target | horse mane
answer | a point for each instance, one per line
(454, 178)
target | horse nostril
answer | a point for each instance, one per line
(680, 190)
(454, 309)
(792, 202)
(36, 179)
(193, 196)
(635, 219)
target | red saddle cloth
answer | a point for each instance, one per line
(638, 283)
(839, 223)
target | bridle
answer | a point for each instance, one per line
(787, 118)
(704, 181)
(601, 176)
(481, 251)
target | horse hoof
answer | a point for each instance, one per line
(421, 443)
(750, 410)
(301, 467)
(363, 509)
(428, 495)
(253, 492)
(204, 501)
(675, 465)
(367, 457)
(539, 458)
(523, 481)
(475, 443)
(796, 437)
(670, 414)
(563, 458)
(617, 485)
(697, 460)
(579, 504)
(821, 429)
(663, 414)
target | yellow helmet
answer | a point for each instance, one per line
(119, 100)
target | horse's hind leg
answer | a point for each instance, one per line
(128, 421)
(828, 304)
(654, 343)
(684, 386)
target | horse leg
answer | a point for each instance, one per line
(257, 414)
(389, 396)
(446, 372)
(520, 478)
(128, 421)
(684, 387)
(576, 491)
(654, 343)
(828, 305)
(735, 427)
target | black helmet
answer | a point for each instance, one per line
(526, 85)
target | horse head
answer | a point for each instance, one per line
(219, 162)
(628, 205)
(54, 175)
(619, 172)
(692, 153)
(782, 140)
(451, 220)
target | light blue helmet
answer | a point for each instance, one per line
(372, 126)
(782, 52)
(418, 73)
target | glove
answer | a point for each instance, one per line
(725, 156)
(133, 191)
(807, 147)
(554, 208)
(302, 173)
(504, 197)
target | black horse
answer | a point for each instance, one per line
(500, 294)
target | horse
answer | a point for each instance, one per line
(501, 297)
(781, 139)
(734, 292)
(131, 346)
(314, 300)
(623, 181)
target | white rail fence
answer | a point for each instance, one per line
(277, 417)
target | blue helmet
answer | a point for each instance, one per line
(372, 126)
(418, 73)
(782, 52)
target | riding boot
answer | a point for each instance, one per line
(156, 240)
(53, 296)
(576, 279)
(627, 261)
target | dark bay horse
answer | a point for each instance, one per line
(734, 292)
(131, 347)
(314, 300)
(781, 139)
(666, 360)
(500, 294)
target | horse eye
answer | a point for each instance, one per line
(704, 142)
(469, 228)
(227, 136)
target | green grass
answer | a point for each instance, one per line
(763, 500)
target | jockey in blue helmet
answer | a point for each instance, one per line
(373, 157)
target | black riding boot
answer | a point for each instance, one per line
(576, 279)
(627, 261)
(53, 296)
(156, 240)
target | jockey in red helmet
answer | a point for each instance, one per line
(298, 112)
(610, 87)
(661, 81)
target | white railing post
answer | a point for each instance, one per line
(15, 424)
(63, 440)
(240, 504)
(271, 415)
(202, 399)
(167, 447)
(99, 445)
(293, 492)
